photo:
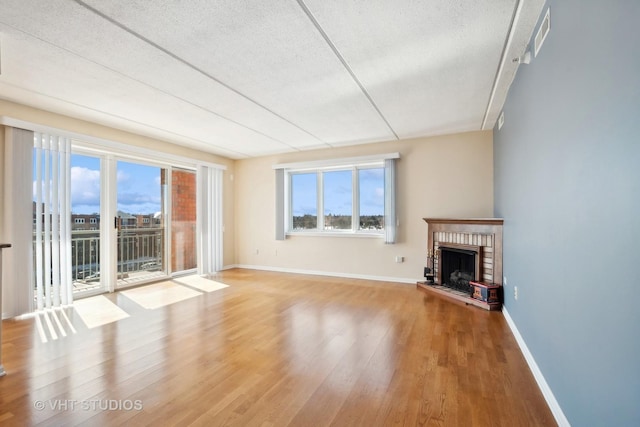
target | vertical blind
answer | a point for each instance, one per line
(280, 207)
(52, 221)
(390, 220)
(210, 221)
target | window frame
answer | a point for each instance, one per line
(283, 217)
(320, 197)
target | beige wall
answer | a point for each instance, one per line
(463, 161)
(2, 202)
(40, 117)
(444, 176)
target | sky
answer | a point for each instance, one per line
(138, 186)
(338, 185)
(139, 190)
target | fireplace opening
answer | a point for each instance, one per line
(458, 267)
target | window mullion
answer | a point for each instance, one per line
(289, 198)
(355, 204)
(288, 210)
(320, 195)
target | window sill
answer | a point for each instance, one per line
(359, 234)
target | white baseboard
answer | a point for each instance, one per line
(324, 273)
(556, 410)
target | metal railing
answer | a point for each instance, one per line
(139, 250)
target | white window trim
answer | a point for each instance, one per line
(352, 163)
(87, 144)
(337, 163)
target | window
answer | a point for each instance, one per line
(371, 199)
(79, 220)
(93, 220)
(351, 196)
(304, 201)
(338, 199)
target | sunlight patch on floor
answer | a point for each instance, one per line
(199, 282)
(98, 311)
(53, 323)
(159, 294)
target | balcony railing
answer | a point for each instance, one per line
(139, 252)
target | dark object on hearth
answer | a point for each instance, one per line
(428, 275)
(487, 292)
(458, 275)
(459, 280)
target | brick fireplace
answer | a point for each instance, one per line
(460, 251)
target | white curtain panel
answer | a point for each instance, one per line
(17, 222)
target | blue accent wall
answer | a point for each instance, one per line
(567, 183)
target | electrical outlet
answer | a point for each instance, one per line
(515, 292)
(399, 259)
(257, 251)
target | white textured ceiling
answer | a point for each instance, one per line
(245, 78)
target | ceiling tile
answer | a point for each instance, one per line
(244, 78)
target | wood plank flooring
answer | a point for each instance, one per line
(276, 349)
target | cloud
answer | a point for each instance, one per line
(122, 176)
(139, 208)
(138, 203)
(372, 174)
(341, 189)
(305, 210)
(85, 186)
(372, 201)
(131, 198)
(85, 189)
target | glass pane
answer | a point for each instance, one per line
(85, 223)
(371, 203)
(140, 219)
(304, 201)
(183, 220)
(338, 200)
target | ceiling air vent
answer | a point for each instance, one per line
(541, 35)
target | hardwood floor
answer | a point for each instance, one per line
(276, 349)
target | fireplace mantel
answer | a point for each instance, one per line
(482, 233)
(465, 223)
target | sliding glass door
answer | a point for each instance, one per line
(85, 225)
(103, 222)
(140, 222)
